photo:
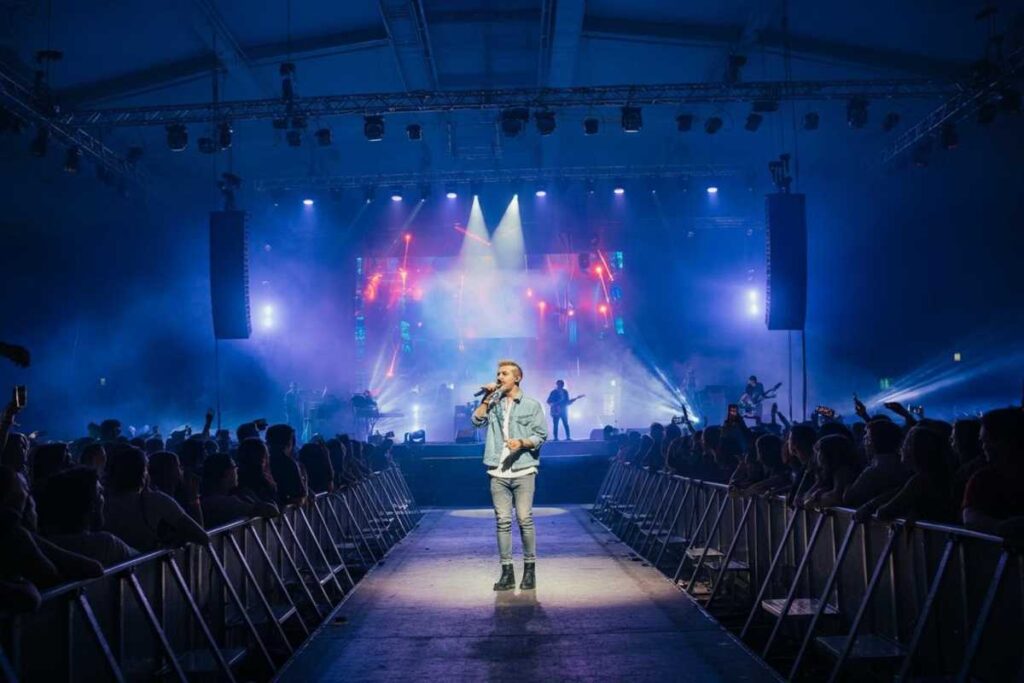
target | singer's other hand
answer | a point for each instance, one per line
(489, 388)
(514, 444)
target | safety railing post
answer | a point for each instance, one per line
(740, 526)
(865, 603)
(823, 601)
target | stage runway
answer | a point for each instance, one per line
(429, 614)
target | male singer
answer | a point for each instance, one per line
(515, 432)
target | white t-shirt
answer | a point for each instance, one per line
(505, 452)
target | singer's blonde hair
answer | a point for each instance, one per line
(512, 363)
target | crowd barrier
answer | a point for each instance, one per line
(235, 609)
(821, 595)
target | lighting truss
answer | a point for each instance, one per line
(960, 105)
(506, 176)
(532, 98)
(20, 101)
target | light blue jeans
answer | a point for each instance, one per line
(518, 492)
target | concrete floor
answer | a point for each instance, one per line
(429, 614)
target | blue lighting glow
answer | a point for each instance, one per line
(307, 202)
(712, 190)
(541, 193)
(396, 197)
(452, 195)
(619, 190)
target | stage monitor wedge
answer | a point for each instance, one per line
(229, 275)
(786, 261)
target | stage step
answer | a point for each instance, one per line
(801, 607)
(867, 647)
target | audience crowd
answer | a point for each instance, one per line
(969, 473)
(69, 510)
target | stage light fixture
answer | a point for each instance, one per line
(40, 142)
(857, 112)
(294, 138)
(948, 136)
(632, 119)
(541, 191)
(476, 188)
(450, 191)
(370, 193)
(619, 188)
(753, 122)
(72, 160)
(414, 131)
(811, 120)
(224, 135)
(545, 122)
(307, 202)
(891, 120)
(424, 191)
(513, 120)
(684, 122)
(590, 185)
(177, 137)
(396, 196)
(373, 128)
(735, 68)
(287, 72)
(712, 189)
(713, 125)
(591, 125)
(206, 145)
(324, 137)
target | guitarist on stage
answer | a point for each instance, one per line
(559, 401)
(753, 396)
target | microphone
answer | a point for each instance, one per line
(484, 391)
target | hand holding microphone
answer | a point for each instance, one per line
(487, 391)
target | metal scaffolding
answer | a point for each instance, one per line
(506, 176)
(960, 105)
(532, 98)
(23, 103)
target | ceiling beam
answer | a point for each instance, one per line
(561, 26)
(213, 30)
(773, 39)
(198, 66)
(406, 26)
(496, 99)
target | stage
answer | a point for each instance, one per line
(428, 614)
(452, 474)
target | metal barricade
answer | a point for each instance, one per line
(235, 609)
(820, 595)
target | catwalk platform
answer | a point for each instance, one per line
(453, 475)
(428, 613)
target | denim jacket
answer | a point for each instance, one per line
(526, 422)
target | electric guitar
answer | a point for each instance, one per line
(751, 406)
(558, 409)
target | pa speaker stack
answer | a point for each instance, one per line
(786, 267)
(229, 275)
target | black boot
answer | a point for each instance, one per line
(508, 578)
(529, 577)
